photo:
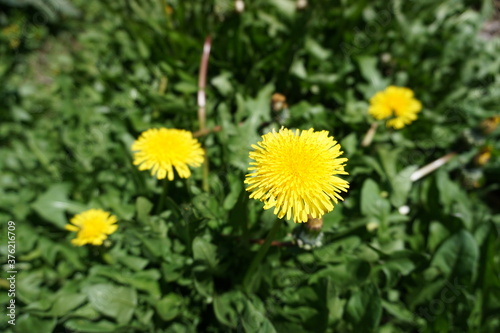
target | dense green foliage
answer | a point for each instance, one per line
(81, 80)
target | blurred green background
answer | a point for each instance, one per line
(82, 79)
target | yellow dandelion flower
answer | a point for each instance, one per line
(483, 156)
(294, 172)
(490, 124)
(160, 150)
(92, 226)
(395, 102)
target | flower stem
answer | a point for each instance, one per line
(205, 173)
(425, 170)
(367, 140)
(249, 279)
(202, 80)
(163, 195)
(206, 131)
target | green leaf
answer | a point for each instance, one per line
(83, 325)
(365, 308)
(204, 282)
(29, 323)
(65, 303)
(346, 274)
(370, 72)
(223, 84)
(401, 186)
(235, 185)
(228, 308)
(205, 252)
(52, 204)
(359, 270)
(28, 285)
(372, 203)
(170, 306)
(398, 310)
(437, 234)
(146, 280)
(315, 49)
(349, 143)
(208, 206)
(144, 207)
(254, 320)
(403, 266)
(285, 7)
(388, 159)
(426, 292)
(448, 190)
(186, 87)
(133, 262)
(113, 301)
(458, 256)
(86, 311)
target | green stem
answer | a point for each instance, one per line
(163, 195)
(250, 274)
(206, 172)
(244, 221)
(202, 103)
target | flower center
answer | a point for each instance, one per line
(92, 229)
(167, 147)
(398, 105)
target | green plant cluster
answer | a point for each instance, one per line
(82, 79)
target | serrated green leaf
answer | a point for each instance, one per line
(205, 252)
(113, 301)
(365, 308)
(458, 256)
(52, 204)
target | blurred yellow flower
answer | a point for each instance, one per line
(13, 33)
(92, 226)
(160, 150)
(295, 173)
(12, 29)
(490, 124)
(395, 102)
(483, 156)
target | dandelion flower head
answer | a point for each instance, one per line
(92, 226)
(295, 172)
(398, 103)
(483, 156)
(161, 150)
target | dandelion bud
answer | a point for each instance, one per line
(278, 102)
(314, 224)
